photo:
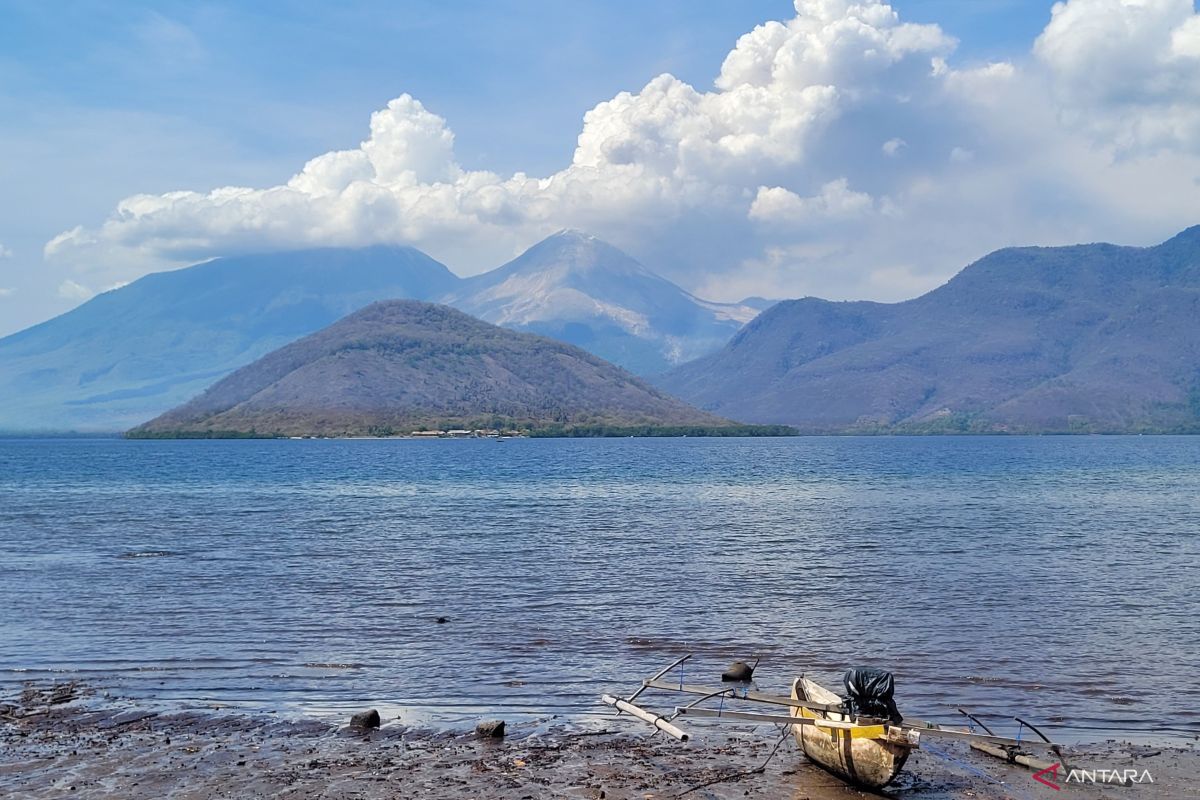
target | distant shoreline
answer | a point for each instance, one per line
(545, 432)
(794, 433)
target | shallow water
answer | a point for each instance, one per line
(1049, 577)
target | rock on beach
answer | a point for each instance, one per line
(490, 728)
(365, 720)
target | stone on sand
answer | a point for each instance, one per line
(365, 720)
(490, 728)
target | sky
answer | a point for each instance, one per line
(848, 150)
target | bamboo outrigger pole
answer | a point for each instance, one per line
(735, 694)
(659, 722)
(654, 719)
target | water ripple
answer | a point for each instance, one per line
(1051, 577)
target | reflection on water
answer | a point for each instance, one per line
(1051, 577)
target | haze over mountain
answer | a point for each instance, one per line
(401, 365)
(1085, 338)
(133, 352)
(578, 289)
(130, 353)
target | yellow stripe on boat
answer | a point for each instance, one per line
(858, 731)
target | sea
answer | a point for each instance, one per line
(1049, 578)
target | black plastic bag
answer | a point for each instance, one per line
(869, 694)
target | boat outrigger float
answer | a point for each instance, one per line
(861, 738)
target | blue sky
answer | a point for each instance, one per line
(514, 77)
(101, 101)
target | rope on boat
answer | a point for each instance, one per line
(974, 770)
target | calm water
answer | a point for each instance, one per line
(1053, 577)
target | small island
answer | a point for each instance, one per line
(405, 368)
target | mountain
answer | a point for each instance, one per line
(401, 365)
(578, 289)
(131, 353)
(1084, 338)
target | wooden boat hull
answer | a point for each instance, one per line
(863, 755)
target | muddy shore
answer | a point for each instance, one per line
(58, 742)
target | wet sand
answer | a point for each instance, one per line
(59, 742)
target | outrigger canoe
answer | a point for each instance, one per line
(864, 750)
(868, 753)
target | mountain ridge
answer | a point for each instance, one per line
(1085, 338)
(133, 352)
(401, 365)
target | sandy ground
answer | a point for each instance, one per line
(58, 743)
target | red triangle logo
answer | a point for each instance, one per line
(1048, 777)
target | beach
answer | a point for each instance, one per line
(60, 743)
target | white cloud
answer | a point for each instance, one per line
(977, 82)
(718, 187)
(836, 201)
(663, 156)
(7, 292)
(1127, 71)
(70, 290)
(5, 252)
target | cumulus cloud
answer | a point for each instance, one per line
(774, 180)
(836, 201)
(7, 292)
(5, 252)
(650, 161)
(1127, 72)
